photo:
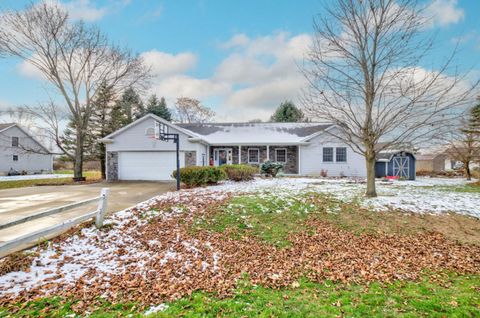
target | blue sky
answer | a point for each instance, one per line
(238, 57)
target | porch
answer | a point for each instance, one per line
(255, 155)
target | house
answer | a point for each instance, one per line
(21, 152)
(133, 152)
(433, 162)
(397, 163)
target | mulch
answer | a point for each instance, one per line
(181, 261)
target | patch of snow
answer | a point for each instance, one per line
(155, 309)
(35, 177)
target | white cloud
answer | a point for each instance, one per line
(181, 85)
(87, 10)
(163, 64)
(238, 40)
(84, 10)
(250, 82)
(445, 12)
(27, 69)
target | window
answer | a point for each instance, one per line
(328, 154)
(253, 155)
(341, 154)
(14, 141)
(150, 132)
(281, 155)
(15, 157)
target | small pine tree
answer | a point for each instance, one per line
(101, 121)
(158, 107)
(131, 105)
(69, 142)
(287, 112)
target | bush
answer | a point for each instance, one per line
(200, 176)
(271, 168)
(240, 172)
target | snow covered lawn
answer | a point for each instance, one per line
(425, 195)
(150, 253)
(34, 177)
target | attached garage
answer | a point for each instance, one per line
(147, 165)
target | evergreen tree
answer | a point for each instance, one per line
(102, 121)
(287, 112)
(158, 107)
(474, 121)
(69, 142)
(131, 105)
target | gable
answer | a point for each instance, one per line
(29, 142)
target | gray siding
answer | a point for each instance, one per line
(29, 159)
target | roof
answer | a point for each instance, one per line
(386, 155)
(108, 138)
(254, 133)
(6, 125)
(431, 156)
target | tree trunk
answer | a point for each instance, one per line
(468, 174)
(78, 160)
(103, 161)
(371, 190)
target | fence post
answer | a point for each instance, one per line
(102, 208)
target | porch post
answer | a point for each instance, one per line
(208, 156)
(239, 154)
(268, 152)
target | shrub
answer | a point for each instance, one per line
(323, 173)
(200, 176)
(240, 172)
(271, 168)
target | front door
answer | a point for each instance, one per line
(401, 167)
(222, 156)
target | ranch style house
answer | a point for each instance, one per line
(133, 152)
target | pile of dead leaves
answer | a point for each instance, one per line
(173, 261)
(20, 261)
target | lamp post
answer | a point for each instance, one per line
(161, 132)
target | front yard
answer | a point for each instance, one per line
(288, 247)
(64, 177)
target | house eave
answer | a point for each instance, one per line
(275, 143)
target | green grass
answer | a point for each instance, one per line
(453, 296)
(266, 216)
(90, 175)
(468, 188)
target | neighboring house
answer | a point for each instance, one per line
(433, 162)
(22, 152)
(305, 148)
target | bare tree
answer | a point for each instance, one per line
(364, 77)
(74, 58)
(190, 110)
(464, 144)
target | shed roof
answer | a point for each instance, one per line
(254, 133)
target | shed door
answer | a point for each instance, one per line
(155, 165)
(401, 166)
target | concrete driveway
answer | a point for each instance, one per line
(21, 202)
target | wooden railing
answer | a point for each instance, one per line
(36, 237)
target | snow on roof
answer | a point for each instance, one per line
(5, 126)
(254, 133)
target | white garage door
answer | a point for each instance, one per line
(147, 165)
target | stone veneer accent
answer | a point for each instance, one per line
(112, 166)
(291, 167)
(190, 158)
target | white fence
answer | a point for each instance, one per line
(36, 237)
